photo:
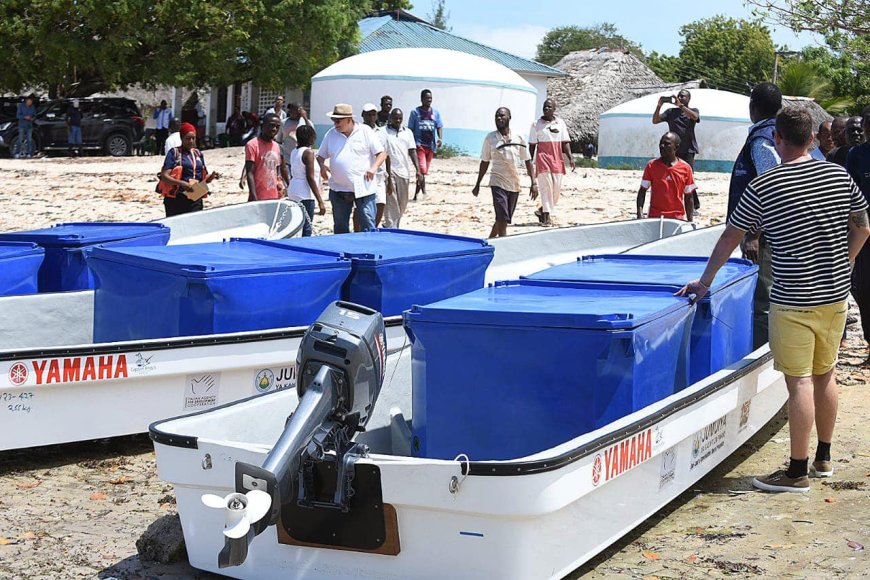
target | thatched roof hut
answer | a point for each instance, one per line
(599, 80)
(808, 104)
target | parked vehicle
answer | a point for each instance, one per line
(111, 125)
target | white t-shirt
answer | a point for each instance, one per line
(299, 188)
(174, 140)
(349, 157)
(398, 144)
(507, 155)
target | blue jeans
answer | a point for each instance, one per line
(75, 135)
(342, 205)
(25, 142)
(308, 204)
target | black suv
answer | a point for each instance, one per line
(111, 125)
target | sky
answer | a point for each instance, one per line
(517, 26)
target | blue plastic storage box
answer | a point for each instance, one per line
(19, 265)
(201, 289)
(522, 366)
(722, 330)
(395, 269)
(65, 267)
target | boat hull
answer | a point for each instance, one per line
(90, 392)
(539, 517)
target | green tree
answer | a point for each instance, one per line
(439, 16)
(729, 54)
(845, 25)
(391, 5)
(78, 47)
(564, 39)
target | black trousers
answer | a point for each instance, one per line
(160, 135)
(861, 288)
(690, 159)
(180, 204)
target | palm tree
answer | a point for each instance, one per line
(803, 79)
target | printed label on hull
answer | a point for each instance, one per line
(622, 456)
(77, 369)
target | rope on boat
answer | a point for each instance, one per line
(456, 482)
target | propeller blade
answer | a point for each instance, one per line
(259, 504)
(214, 501)
(240, 530)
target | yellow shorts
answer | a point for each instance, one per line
(805, 340)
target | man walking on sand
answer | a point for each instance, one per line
(266, 173)
(758, 155)
(25, 113)
(805, 207)
(672, 183)
(425, 122)
(384, 184)
(549, 143)
(506, 151)
(681, 119)
(355, 153)
(402, 152)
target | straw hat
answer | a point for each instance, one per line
(341, 111)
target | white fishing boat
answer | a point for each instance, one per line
(58, 386)
(261, 496)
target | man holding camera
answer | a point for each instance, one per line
(681, 119)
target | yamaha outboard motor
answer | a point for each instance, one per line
(340, 370)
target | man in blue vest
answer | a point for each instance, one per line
(757, 156)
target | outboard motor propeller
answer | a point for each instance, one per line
(340, 367)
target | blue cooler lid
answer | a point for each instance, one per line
(647, 270)
(387, 245)
(219, 258)
(19, 249)
(84, 234)
(553, 304)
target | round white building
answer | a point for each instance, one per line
(466, 90)
(627, 136)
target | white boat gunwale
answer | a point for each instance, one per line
(168, 343)
(517, 467)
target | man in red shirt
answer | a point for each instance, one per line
(672, 183)
(264, 166)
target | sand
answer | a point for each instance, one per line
(76, 510)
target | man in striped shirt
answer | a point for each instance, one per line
(815, 220)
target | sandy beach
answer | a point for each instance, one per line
(76, 511)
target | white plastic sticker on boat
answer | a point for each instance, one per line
(201, 390)
(708, 441)
(275, 379)
(744, 415)
(142, 363)
(668, 470)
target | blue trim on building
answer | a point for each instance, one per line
(711, 165)
(428, 80)
(469, 141)
(649, 116)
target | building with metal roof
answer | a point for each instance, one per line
(399, 29)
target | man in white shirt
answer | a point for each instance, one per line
(174, 139)
(506, 152)
(162, 116)
(355, 153)
(402, 153)
(385, 187)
